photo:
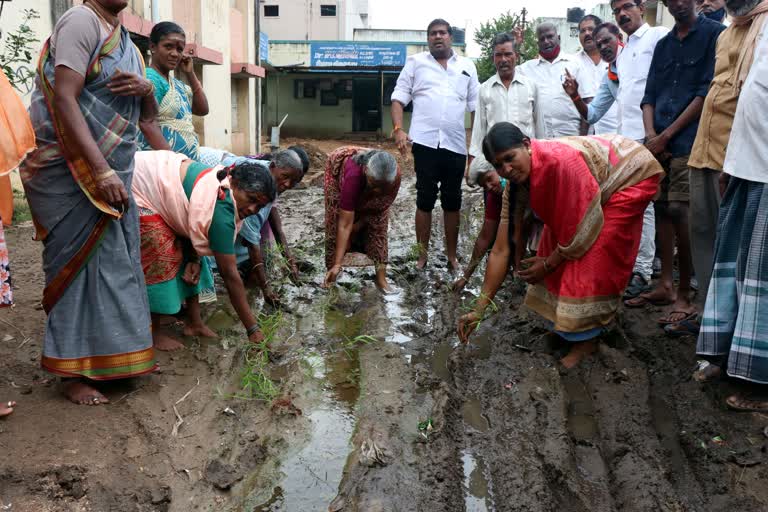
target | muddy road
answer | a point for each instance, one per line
(369, 403)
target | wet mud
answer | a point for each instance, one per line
(376, 406)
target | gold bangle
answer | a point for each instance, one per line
(151, 89)
(104, 175)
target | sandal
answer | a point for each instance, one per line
(684, 328)
(741, 404)
(687, 316)
(706, 372)
(637, 285)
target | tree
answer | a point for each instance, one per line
(18, 50)
(506, 22)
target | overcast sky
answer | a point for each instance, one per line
(416, 14)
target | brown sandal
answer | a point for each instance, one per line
(741, 404)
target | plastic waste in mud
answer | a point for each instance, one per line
(425, 428)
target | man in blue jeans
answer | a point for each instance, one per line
(443, 86)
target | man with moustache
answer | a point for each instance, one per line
(678, 80)
(608, 41)
(561, 118)
(589, 58)
(713, 9)
(736, 48)
(443, 87)
(506, 96)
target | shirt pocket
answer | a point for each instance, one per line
(461, 86)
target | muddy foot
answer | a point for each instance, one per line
(82, 394)
(658, 297)
(578, 352)
(682, 309)
(7, 409)
(707, 372)
(201, 330)
(166, 343)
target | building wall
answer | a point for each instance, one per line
(226, 26)
(302, 20)
(379, 34)
(306, 117)
(356, 18)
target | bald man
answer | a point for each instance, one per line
(561, 118)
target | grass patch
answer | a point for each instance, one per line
(21, 212)
(255, 383)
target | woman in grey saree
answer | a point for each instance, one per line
(86, 111)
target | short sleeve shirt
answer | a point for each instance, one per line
(352, 186)
(75, 38)
(680, 71)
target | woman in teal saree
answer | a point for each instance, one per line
(177, 100)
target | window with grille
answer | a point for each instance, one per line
(271, 11)
(328, 10)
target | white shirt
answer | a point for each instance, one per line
(609, 123)
(441, 97)
(560, 115)
(747, 154)
(518, 105)
(633, 64)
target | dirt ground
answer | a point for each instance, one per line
(376, 406)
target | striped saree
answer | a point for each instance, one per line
(98, 322)
(591, 193)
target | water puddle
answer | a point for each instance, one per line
(309, 477)
(472, 412)
(477, 489)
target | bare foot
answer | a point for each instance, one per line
(659, 296)
(166, 343)
(682, 309)
(383, 285)
(7, 408)
(82, 394)
(199, 330)
(422, 262)
(453, 265)
(578, 352)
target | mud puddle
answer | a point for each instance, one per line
(477, 497)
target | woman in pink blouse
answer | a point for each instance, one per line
(360, 186)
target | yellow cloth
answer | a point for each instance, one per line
(731, 65)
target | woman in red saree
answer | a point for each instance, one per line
(590, 192)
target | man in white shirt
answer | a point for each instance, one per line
(632, 65)
(590, 60)
(443, 87)
(561, 118)
(506, 96)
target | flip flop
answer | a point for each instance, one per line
(688, 316)
(646, 301)
(689, 328)
(741, 404)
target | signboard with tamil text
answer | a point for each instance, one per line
(370, 54)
